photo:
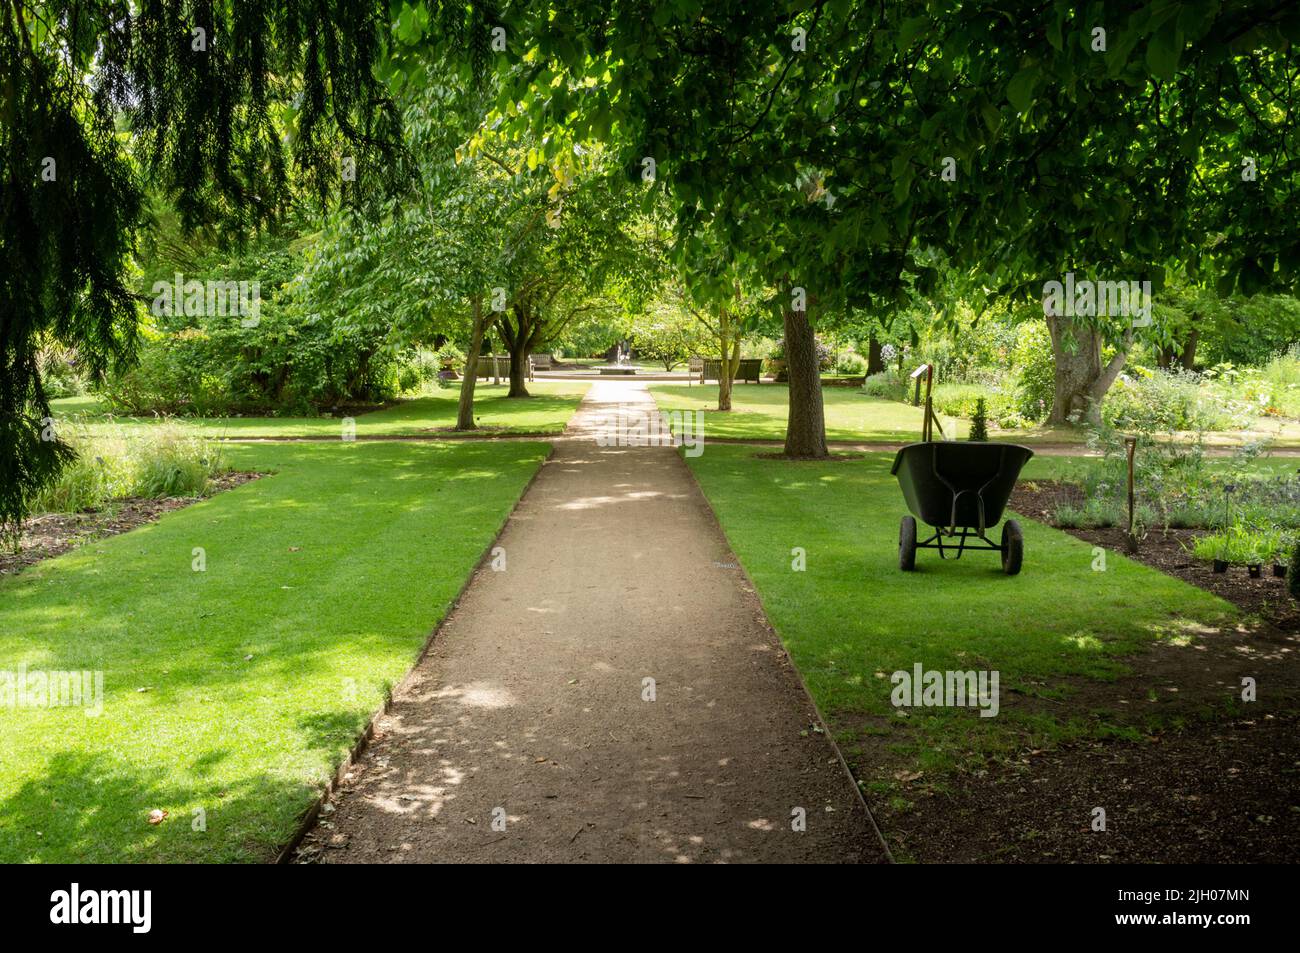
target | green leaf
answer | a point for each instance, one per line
(1020, 91)
(1054, 34)
(1164, 50)
(910, 30)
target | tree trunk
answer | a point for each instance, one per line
(517, 339)
(725, 375)
(875, 363)
(1081, 380)
(805, 432)
(518, 371)
(465, 409)
(1188, 358)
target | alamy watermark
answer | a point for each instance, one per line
(935, 689)
(133, 908)
(1087, 298)
(39, 688)
(638, 427)
(211, 299)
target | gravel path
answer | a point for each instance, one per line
(527, 733)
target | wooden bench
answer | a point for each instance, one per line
(484, 368)
(541, 362)
(748, 370)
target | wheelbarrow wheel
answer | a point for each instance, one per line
(907, 544)
(1013, 547)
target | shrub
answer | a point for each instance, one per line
(161, 461)
(60, 374)
(1170, 400)
(890, 383)
(1283, 375)
(286, 365)
(1036, 380)
(851, 364)
(960, 400)
(419, 368)
(979, 424)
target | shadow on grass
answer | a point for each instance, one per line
(94, 808)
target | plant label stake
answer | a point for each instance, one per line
(929, 422)
(1130, 444)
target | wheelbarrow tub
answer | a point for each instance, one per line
(931, 474)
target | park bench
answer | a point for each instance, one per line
(748, 370)
(484, 368)
(541, 362)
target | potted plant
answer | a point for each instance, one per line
(1285, 543)
(1257, 550)
(1216, 548)
(1262, 548)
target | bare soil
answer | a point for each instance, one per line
(52, 534)
(1222, 793)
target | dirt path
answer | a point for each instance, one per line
(532, 707)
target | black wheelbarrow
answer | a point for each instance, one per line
(960, 490)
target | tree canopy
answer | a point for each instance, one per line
(830, 158)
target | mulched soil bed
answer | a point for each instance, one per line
(1213, 794)
(53, 534)
(1212, 780)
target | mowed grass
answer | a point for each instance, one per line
(760, 412)
(237, 690)
(547, 411)
(852, 618)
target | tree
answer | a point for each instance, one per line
(213, 99)
(729, 321)
(1122, 156)
(833, 145)
(667, 334)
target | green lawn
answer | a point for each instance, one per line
(760, 411)
(852, 618)
(546, 412)
(237, 690)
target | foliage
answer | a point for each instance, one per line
(1249, 331)
(203, 101)
(1240, 545)
(1170, 400)
(1036, 378)
(891, 383)
(850, 363)
(979, 424)
(669, 335)
(163, 461)
(289, 364)
(962, 400)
